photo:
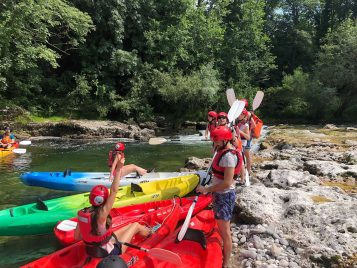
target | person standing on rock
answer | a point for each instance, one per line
(243, 133)
(251, 123)
(115, 157)
(222, 119)
(226, 166)
(212, 123)
(7, 139)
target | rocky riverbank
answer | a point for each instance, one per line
(301, 209)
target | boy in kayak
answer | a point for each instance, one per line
(115, 158)
(226, 166)
(7, 139)
(212, 123)
(94, 223)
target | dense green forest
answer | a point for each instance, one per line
(133, 59)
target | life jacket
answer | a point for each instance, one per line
(85, 225)
(256, 132)
(212, 125)
(6, 139)
(218, 171)
(111, 156)
(238, 126)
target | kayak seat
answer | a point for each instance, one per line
(195, 236)
(96, 251)
(67, 225)
(40, 205)
(136, 188)
(67, 172)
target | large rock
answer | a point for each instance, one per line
(194, 163)
(292, 163)
(330, 168)
(287, 179)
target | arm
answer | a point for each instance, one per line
(114, 165)
(227, 182)
(206, 132)
(113, 190)
(252, 123)
(245, 133)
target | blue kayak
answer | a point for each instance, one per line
(84, 181)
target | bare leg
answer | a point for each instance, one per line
(224, 228)
(248, 160)
(126, 233)
(132, 168)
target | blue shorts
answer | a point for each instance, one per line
(223, 205)
(249, 144)
(116, 250)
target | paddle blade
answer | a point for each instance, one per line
(156, 141)
(231, 96)
(25, 142)
(257, 100)
(165, 255)
(19, 151)
(187, 220)
(235, 110)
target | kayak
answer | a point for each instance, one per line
(7, 151)
(76, 255)
(64, 230)
(84, 181)
(41, 217)
(201, 246)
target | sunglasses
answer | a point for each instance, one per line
(222, 117)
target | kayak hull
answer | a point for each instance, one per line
(76, 256)
(64, 231)
(41, 217)
(8, 151)
(85, 181)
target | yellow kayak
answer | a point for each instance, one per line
(7, 151)
(41, 217)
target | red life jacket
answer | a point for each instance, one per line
(84, 221)
(6, 139)
(212, 125)
(218, 171)
(111, 156)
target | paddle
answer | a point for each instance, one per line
(159, 253)
(156, 141)
(19, 151)
(233, 113)
(25, 142)
(231, 96)
(257, 100)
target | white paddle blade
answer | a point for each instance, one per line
(247, 180)
(231, 96)
(165, 255)
(156, 141)
(19, 151)
(257, 100)
(25, 142)
(235, 110)
(187, 220)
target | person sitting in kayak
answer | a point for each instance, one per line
(226, 167)
(94, 223)
(115, 157)
(222, 119)
(212, 123)
(7, 139)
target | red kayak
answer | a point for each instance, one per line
(76, 255)
(64, 230)
(201, 246)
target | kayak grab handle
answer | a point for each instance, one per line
(67, 172)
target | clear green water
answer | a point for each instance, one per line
(79, 156)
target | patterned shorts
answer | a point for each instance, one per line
(223, 205)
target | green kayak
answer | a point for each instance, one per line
(41, 217)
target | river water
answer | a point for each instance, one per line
(78, 156)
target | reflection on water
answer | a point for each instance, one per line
(76, 155)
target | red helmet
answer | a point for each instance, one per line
(245, 112)
(221, 133)
(246, 102)
(223, 114)
(98, 195)
(119, 146)
(212, 114)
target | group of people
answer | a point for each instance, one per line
(7, 140)
(230, 146)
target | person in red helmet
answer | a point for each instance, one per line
(222, 119)
(212, 123)
(226, 166)
(114, 158)
(246, 105)
(94, 223)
